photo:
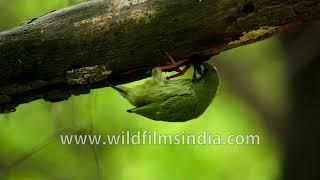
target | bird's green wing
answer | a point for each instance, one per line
(145, 94)
(177, 108)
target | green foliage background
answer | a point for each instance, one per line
(30, 131)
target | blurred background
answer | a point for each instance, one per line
(253, 99)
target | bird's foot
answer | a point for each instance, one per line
(175, 66)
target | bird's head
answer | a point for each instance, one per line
(210, 72)
(204, 69)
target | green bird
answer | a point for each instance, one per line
(173, 100)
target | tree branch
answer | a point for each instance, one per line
(73, 50)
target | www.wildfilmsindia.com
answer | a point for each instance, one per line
(153, 137)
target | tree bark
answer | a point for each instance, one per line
(75, 49)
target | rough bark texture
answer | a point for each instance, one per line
(72, 50)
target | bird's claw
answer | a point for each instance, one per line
(175, 66)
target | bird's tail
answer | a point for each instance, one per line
(122, 91)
